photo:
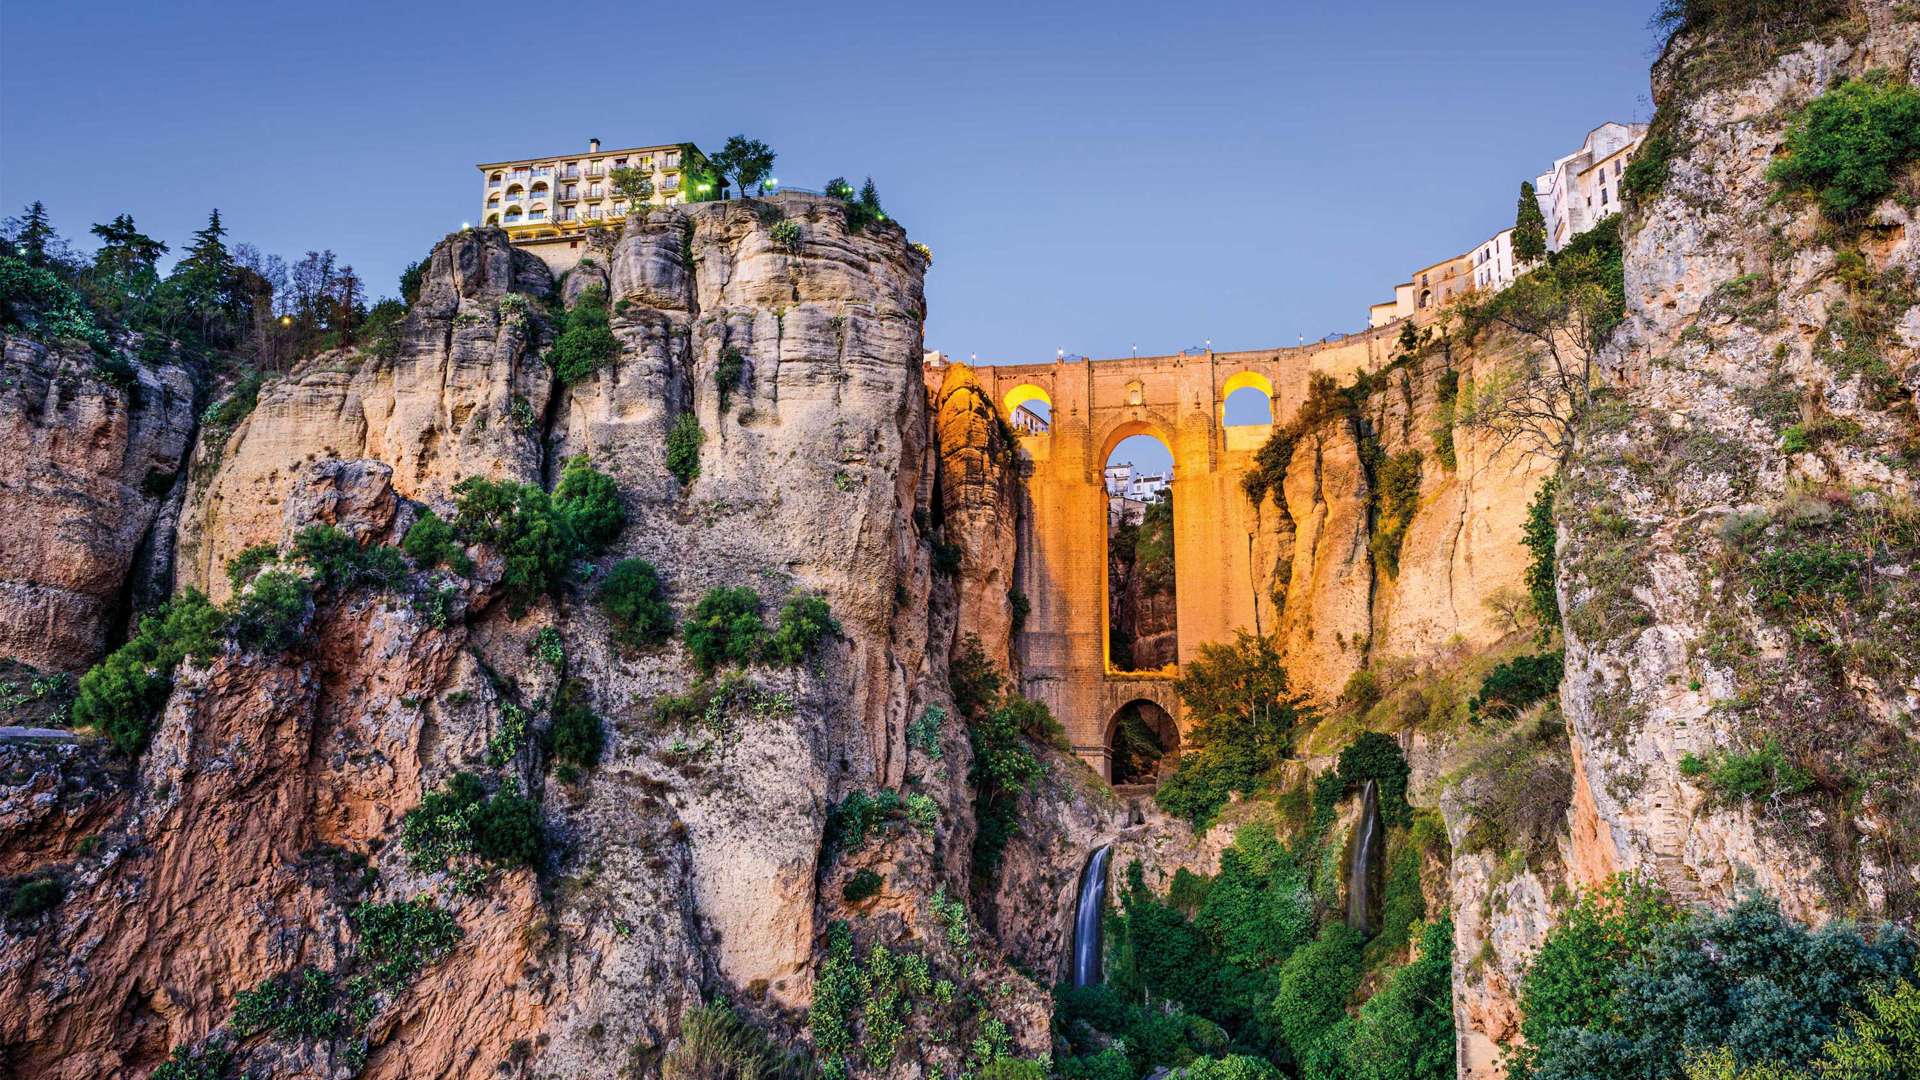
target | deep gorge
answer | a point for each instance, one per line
(655, 670)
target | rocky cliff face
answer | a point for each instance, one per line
(693, 861)
(91, 468)
(1358, 578)
(1764, 422)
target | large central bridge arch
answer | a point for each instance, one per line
(1062, 564)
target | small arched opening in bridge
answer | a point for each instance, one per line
(1143, 743)
(1029, 410)
(1246, 401)
(1138, 477)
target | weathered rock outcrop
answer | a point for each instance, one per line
(980, 499)
(89, 466)
(1765, 411)
(462, 396)
(1340, 605)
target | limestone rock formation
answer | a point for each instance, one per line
(90, 467)
(462, 396)
(979, 506)
(1746, 431)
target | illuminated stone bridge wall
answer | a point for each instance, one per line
(1062, 563)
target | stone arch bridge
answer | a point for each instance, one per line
(1062, 561)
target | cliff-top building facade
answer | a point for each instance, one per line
(548, 203)
(1579, 191)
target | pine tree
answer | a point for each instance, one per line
(35, 235)
(205, 276)
(1529, 228)
(124, 249)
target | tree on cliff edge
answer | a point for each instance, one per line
(746, 161)
(1529, 228)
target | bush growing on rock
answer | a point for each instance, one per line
(1849, 145)
(250, 561)
(268, 617)
(537, 535)
(577, 736)
(290, 1007)
(725, 628)
(804, 621)
(636, 604)
(402, 939)
(1640, 992)
(1516, 684)
(431, 542)
(716, 1043)
(683, 448)
(35, 897)
(460, 821)
(121, 694)
(865, 882)
(586, 342)
(340, 561)
(589, 501)
(1244, 714)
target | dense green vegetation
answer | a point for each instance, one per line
(716, 1043)
(431, 542)
(725, 627)
(400, 940)
(636, 605)
(1542, 540)
(1626, 985)
(120, 696)
(462, 830)
(585, 343)
(683, 448)
(1517, 683)
(577, 736)
(1849, 146)
(35, 897)
(537, 535)
(733, 364)
(292, 1006)
(1242, 716)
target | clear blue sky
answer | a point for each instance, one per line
(1089, 178)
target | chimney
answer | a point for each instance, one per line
(593, 146)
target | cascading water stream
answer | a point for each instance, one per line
(1366, 840)
(1086, 920)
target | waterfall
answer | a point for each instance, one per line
(1086, 920)
(1366, 842)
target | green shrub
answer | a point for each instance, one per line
(683, 448)
(1231, 1067)
(507, 829)
(338, 560)
(733, 364)
(725, 628)
(33, 298)
(1806, 576)
(1516, 684)
(1362, 691)
(1761, 774)
(1004, 767)
(1850, 145)
(288, 1007)
(1397, 499)
(586, 342)
(635, 604)
(431, 542)
(864, 883)
(1405, 1030)
(860, 815)
(242, 567)
(923, 734)
(785, 235)
(1541, 539)
(268, 617)
(120, 695)
(577, 736)
(208, 1063)
(589, 502)
(804, 621)
(402, 939)
(1242, 714)
(1310, 1009)
(519, 521)
(34, 898)
(1670, 989)
(458, 822)
(716, 1044)
(1377, 757)
(1647, 173)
